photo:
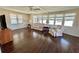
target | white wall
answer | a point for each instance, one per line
(75, 29)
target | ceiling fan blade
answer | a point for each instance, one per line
(30, 8)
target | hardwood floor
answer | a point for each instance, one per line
(31, 41)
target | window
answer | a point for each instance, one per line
(13, 19)
(69, 19)
(20, 19)
(34, 19)
(39, 18)
(16, 19)
(51, 19)
(58, 20)
(45, 18)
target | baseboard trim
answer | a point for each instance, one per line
(70, 35)
(20, 28)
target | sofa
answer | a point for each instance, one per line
(57, 31)
(54, 31)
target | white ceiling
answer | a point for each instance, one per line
(43, 9)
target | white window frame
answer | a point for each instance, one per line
(45, 18)
(20, 19)
(39, 19)
(59, 17)
(13, 18)
(51, 17)
(71, 15)
(34, 19)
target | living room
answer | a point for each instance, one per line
(58, 25)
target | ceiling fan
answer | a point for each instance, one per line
(34, 8)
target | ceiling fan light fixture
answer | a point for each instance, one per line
(37, 9)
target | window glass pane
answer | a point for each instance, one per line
(68, 23)
(20, 19)
(69, 19)
(45, 18)
(51, 19)
(13, 19)
(34, 19)
(58, 20)
(51, 22)
(40, 19)
(44, 21)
